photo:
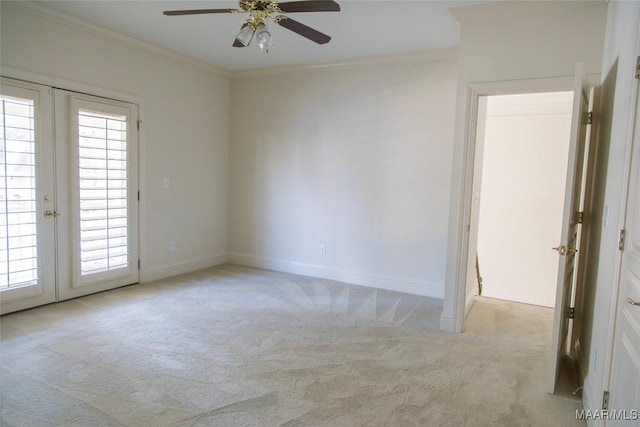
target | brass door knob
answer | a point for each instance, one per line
(51, 214)
(564, 250)
(632, 302)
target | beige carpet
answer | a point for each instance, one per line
(234, 346)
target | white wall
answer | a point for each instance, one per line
(526, 146)
(185, 130)
(505, 41)
(356, 159)
(614, 123)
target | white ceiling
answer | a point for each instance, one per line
(362, 28)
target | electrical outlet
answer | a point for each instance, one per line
(172, 245)
(323, 249)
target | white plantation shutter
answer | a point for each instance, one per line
(18, 228)
(104, 193)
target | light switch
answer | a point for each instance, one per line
(166, 183)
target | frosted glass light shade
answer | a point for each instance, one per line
(263, 36)
(245, 35)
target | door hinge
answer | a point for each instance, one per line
(590, 117)
(570, 313)
(138, 196)
(605, 399)
(138, 264)
(138, 124)
(580, 217)
(621, 239)
(638, 68)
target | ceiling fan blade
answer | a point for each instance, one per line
(309, 6)
(303, 30)
(199, 11)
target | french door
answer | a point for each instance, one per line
(96, 158)
(27, 176)
(73, 224)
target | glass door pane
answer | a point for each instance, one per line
(27, 255)
(18, 230)
(102, 174)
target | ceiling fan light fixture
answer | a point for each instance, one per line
(246, 34)
(262, 11)
(263, 36)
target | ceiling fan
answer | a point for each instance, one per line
(262, 11)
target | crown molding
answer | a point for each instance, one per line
(426, 56)
(496, 10)
(83, 25)
(434, 55)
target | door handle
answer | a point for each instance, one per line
(632, 302)
(564, 250)
(51, 214)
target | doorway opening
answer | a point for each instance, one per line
(522, 149)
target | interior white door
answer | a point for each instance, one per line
(27, 197)
(624, 391)
(96, 142)
(570, 225)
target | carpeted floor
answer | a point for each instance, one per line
(235, 346)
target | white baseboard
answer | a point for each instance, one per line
(185, 267)
(392, 284)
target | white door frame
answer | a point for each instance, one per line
(452, 318)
